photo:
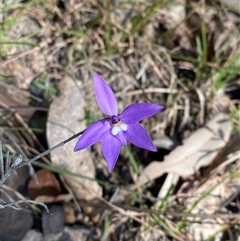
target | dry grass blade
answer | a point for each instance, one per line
(15, 205)
(20, 55)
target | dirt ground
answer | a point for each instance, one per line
(182, 54)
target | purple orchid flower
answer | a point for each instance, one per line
(117, 129)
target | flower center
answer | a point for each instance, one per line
(115, 120)
(117, 125)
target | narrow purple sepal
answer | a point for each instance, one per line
(137, 112)
(105, 96)
(137, 135)
(94, 133)
(111, 148)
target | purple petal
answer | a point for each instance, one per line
(105, 96)
(137, 112)
(111, 148)
(94, 133)
(139, 137)
(121, 136)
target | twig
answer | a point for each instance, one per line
(202, 104)
(14, 204)
(20, 55)
(1, 158)
(149, 90)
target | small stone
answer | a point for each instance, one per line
(54, 223)
(33, 235)
(14, 224)
(44, 183)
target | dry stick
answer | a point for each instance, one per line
(1, 159)
(3, 63)
(14, 204)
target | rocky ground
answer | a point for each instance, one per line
(180, 54)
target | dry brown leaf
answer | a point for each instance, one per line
(215, 202)
(197, 151)
(66, 117)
